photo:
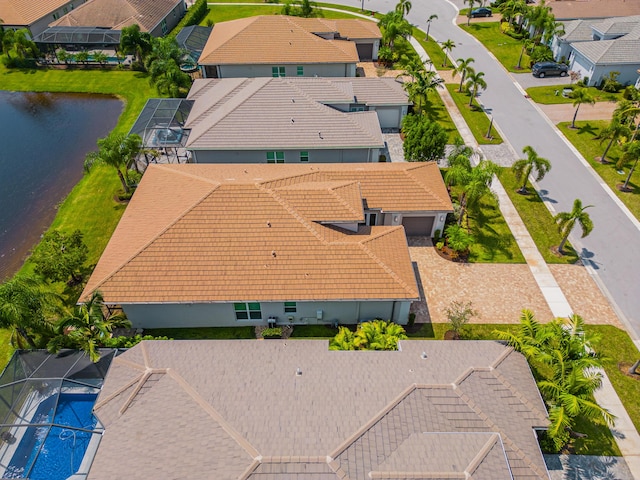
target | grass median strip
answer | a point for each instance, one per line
(585, 139)
(552, 94)
(505, 48)
(476, 118)
(537, 219)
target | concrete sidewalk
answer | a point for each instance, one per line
(625, 433)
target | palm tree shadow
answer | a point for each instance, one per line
(590, 129)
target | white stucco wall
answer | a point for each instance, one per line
(310, 70)
(222, 314)
(290, 156)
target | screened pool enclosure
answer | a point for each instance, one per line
(48, 429)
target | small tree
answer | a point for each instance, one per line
(118, 151)
(475, 81)
(612, 132)
(60, 256)
(631, 154)
(459, 314)
(463, 68)
(580, 96)
(447, 46)
(424, 139)
(429, 20)
(522, 168)
(567, 220)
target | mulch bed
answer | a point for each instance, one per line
(624, 368)
(449, 254)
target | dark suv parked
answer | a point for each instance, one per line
(544, 69)
(481, 12)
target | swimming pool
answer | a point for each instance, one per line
(55, 452)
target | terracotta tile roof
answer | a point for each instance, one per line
(26, 12)
(349, 415)
(272, 113)
(117, 14)
(565, 10)
(278, 39)
(235, 232)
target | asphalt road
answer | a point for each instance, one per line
(613, 248)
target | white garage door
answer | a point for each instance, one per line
(388, 117)
(418, 226)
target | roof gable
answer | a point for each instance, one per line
(256, 408)
(274, 39)
(278, 114)
(228, 233)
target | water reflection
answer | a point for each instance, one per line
(43, 140)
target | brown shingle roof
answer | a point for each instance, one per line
(26, 12)
(278, 39)
(563, 9)
(200, 233)
(274, 113)
(238, 409)
(117, 14)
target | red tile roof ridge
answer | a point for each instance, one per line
(492, 425)
(397, 230)
(482, 453)
(375, 419)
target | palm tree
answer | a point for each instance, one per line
(471, 4)
(474, 182)
(87, 327)
(580, 96)
(136, 41)
(512, 8)
(378, 335)
(552, 29)
(429, 20)
(118, 151)
(424, 82)
(522, 168)
(567, 220)
(561, 353)
(463, 68)
(612, 132)
(403, 7)
(394, 25)
(631, 154)
(474, 82)
(447, 46)
(526, 43)
(25, 307)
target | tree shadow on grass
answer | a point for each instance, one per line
(588, 129)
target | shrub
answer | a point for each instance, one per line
(610, 83)
(436, 235)
(412, 319)
(275, 332)
(541, 53)
(631, 93)
(459, 314)
(424, 139)
(194, 16)
(458, 239)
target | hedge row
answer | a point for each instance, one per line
(194, 16)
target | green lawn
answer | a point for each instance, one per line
(210, 333)
(546, 95)
(584, 139)
(433, 49)
(224, 13)
(537, 219)
(6, 350)
(476, 118)
(506, 49)
(494, 241)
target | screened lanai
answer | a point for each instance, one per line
(85, 37)
(160, 125)
(48, 429)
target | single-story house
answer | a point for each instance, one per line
(34, 15)
(592, 9)
(292, 120)
(279, 46)
(276, 409)
(596, 47)
(157, 17)
(227, 245)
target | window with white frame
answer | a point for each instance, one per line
(275, 157)
(278, 72)
(247, 311)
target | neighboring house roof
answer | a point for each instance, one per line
(564, 10)
(279, 39)
(617, 25)
(578, 30)
(26, 12)
(224, 233)
(117, 14)
(282, 113)
(605, 52)
(432, 409)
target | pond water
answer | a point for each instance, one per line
(44, 138)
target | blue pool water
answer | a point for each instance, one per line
(55, 453)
